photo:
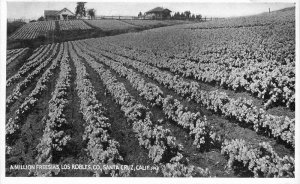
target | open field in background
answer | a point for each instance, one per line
(34, 34)
(213, 99)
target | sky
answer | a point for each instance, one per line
(33, 10)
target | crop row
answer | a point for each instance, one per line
(100, 146)
(240, 109)
(161, 145)
(154, 23)
(21, 86)
(36, 59)
(13, 56)
(33, 29)
(54, 135)
(254, 20)
(271, 45)
(264, 79)
(252, 57)
(73, 25)
(108, 25)
(262, 160)
(153, 94)
(197, 125)
(12, 51)
(13, 124)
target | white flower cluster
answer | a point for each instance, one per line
(194, 122)
(15, 54)
(38, 56)
(155, 138)
(20, 87)
(100, 146)
(54, 137)
(240, 109)
(263, 161)
(31, 100)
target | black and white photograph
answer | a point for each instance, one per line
(191, 89)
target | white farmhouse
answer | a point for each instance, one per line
(64, 14)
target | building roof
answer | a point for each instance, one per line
(158, 9)
(50, 12)
(55, 12)
(63, 10)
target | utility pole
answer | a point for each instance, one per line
(269, 10)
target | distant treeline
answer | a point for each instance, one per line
(187, 15)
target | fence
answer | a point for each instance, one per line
(150, 18)
(127, 18)
(118, 17)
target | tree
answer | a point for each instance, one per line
(199, 17)
(187, 14)
(193, 17)
(92, 13)
(41, 18)
(140, 14)
(182, 16)
(80, 9)
(176, 16)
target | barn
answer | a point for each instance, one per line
(159, 13)
(64, 14)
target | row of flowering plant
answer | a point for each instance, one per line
(240, 109)
(161, 145)
(54, 137)
(38, 57)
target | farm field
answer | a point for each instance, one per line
(214, 99)
(111, 24)
(14, 54)
(49, 29)
(34, 34)
(33, 30)
(72, 25)
(283, 16)
(153, 23)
